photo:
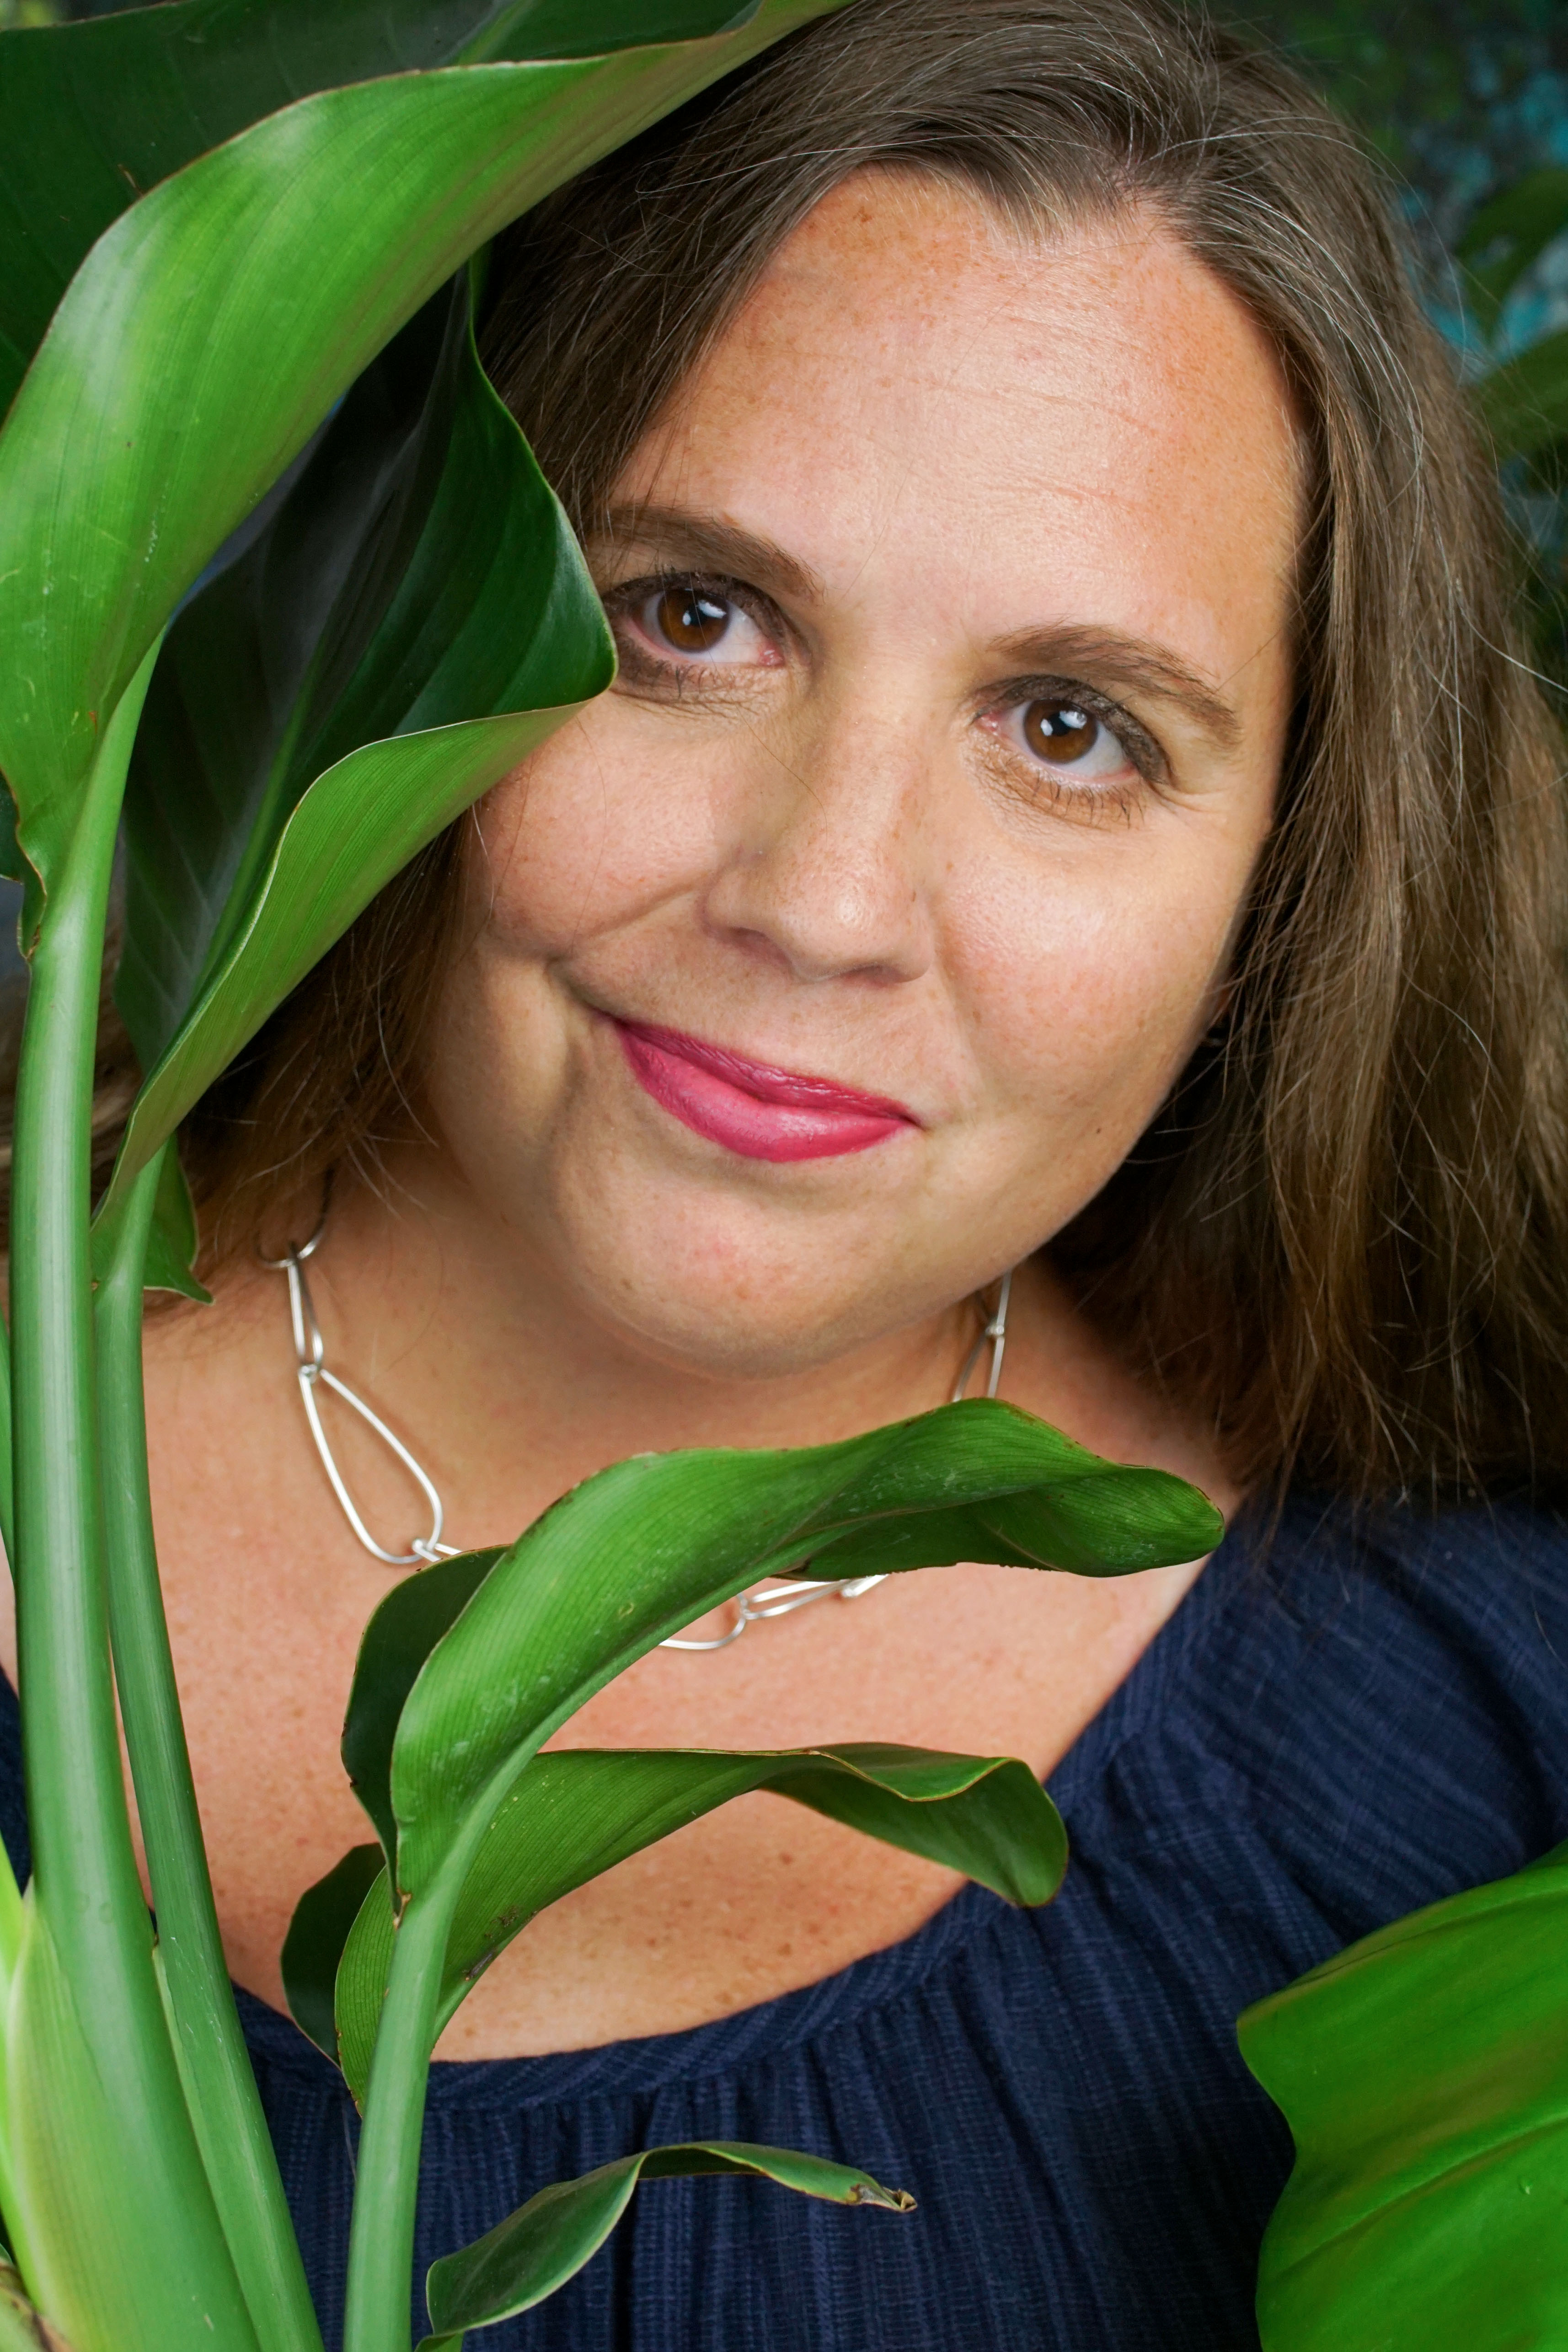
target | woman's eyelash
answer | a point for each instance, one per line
(1144, 753)
(621, 603)
(627, 594)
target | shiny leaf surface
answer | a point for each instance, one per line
(575, 1812)
(1423, 2074)
(419, 572)
(239, 716)
(358, 824)
(649, 1545)
(93, 115)
(317, 1932)
(547, 2240)
(67, 2188)
(398, 1640)
(214, 326)
(172, 1245)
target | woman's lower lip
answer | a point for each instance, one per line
(816, 1121)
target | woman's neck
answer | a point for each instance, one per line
(455, 1326)
(510, 1389)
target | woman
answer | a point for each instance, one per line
(1067, 808)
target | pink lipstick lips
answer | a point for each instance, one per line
(761, 1113)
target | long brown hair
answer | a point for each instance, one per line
(1346, 1237)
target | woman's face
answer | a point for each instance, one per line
(835, 957)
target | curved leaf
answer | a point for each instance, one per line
(94, 115)
(573, 1813)
(1423, 2074)
(319, 637)
(647, 1546)
(170, 1244)
(405, 1628)
(548, 2240)
(214, 327)
(67, 2187)
(320, 1929)
(355, 828)
(419, 572)
(231, 729)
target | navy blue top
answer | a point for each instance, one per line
(1319, 1741)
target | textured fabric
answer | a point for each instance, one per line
(1312, 1747)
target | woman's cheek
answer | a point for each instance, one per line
(1091, 1001)
(587, 837)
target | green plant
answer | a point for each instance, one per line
(1425, 2074)
(252, 248)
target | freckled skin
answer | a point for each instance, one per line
(826, 864)
(830, 851)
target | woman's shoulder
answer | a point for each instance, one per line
(1374, 1704)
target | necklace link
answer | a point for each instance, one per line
(311, 1370)
(766, 1601)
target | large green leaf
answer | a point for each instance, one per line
(355, 828)
(1525, 401)
(69, 2190)
(573, 1813)
(94, 115)
(547, 2240)
(1425, 2075)
(214, 326)
(239, 716)
(420, 573)
(645, 1547)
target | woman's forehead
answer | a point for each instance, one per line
(1029, 426)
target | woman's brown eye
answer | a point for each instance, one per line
(690, 621)
(1060, 732)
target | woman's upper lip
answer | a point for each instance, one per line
(795, 1089)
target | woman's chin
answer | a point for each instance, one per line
(710, 1302)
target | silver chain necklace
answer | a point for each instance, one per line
(749, 1608)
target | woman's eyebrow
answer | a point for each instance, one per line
(1133, 665)
(678, 536)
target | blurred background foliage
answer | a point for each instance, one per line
(1467, 100)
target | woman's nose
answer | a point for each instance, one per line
(828, 864)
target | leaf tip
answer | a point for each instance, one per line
(892, 2200)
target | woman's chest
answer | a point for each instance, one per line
(268, 1596)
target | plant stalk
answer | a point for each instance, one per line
(214, 2065)
(386, 2182)
(84, 1864)
(7, 1480)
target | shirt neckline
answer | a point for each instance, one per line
(718, 2047)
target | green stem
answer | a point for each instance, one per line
(386, 2182)
(11, 1914)
(84, 1864)
(220, 2086)
(7, 1483)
